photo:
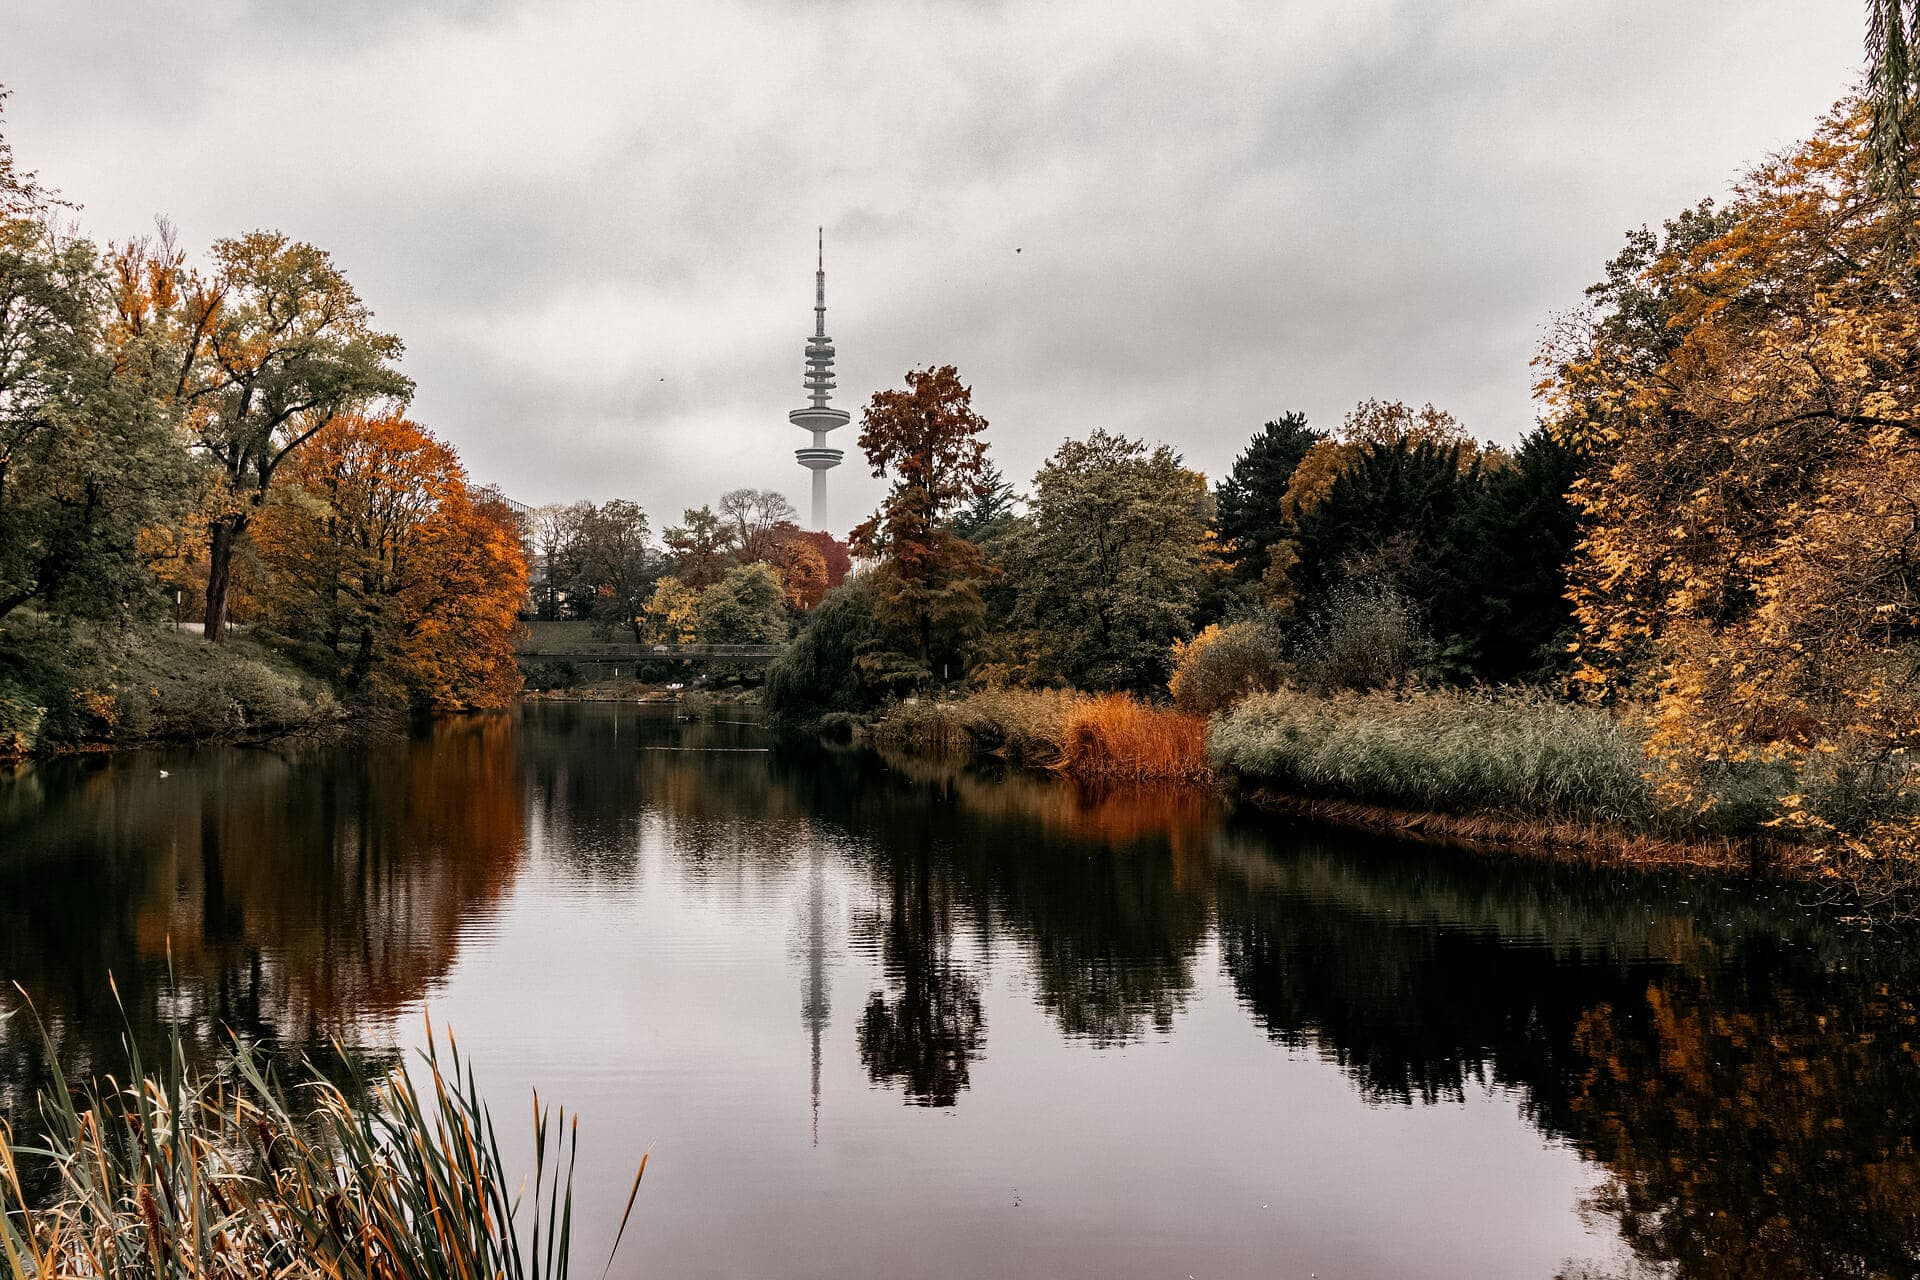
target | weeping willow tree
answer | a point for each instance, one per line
(1893, 94)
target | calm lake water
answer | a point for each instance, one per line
(895, 1019)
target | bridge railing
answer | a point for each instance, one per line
(649, 652)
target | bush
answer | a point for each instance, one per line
(1027, 726)
(1222, 665)
(75, 684)
(1111, 737)
(1522, 754)
(1117, 738)
(820, 673)
(1365, 639)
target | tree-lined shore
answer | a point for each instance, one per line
(1681, 612)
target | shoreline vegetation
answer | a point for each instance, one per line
(220, 1169)
(1509, 771)
(69, 688)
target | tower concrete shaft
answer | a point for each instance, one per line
(818, 457)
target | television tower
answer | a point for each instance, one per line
(817, 417)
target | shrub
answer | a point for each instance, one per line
(1222, 665)
(1115, 737)
(1026, 726)
(1365, 639)
(66, 685)
(554, 675)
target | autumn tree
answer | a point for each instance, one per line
(835, 560)
(1113, 563)
(803, 570)
(926, 441)
(379, 555)
(1752, 393)
(275, 347)
(672, 615)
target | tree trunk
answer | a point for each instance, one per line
(223, 534)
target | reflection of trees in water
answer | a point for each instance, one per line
(1097, 887)
(599, 772)
(1752, 1129)
(1752, 1096)
(926, 1029)
(291, 893)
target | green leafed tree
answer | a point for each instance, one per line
(1893, 95)
(87, 454)
(615, 565)
(1113, 564)
(747, 606)
(821, 673)
(1519, 538)
(1393, 521)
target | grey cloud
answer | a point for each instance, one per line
(593, 221)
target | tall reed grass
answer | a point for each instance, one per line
(187, 1174)
(1115, 738)
(1446, 752)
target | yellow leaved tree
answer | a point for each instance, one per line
(1751, 566)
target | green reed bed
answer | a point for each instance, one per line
(224, 1172)
(1525, 755)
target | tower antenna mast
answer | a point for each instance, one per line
(817, 417)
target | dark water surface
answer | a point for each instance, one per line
(892, 1019)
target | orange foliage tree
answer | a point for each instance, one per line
(926, 440)
(1751, 388)
(380, 554)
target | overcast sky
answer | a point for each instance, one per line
(593, 222)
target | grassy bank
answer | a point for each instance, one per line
(76, 686)
(1524, 755)
(221, 1172)
(1093, 737)
(1520, 771)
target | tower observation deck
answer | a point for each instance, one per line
(818, 457)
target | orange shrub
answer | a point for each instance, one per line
(1116, 738)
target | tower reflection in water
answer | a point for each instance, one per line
(1745, 1076)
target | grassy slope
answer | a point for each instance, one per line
(74, 687)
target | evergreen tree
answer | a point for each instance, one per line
(1248, 500)
(1395, 519)
(1519, 539)
(987, 511)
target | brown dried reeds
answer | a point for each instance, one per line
(1116, 738)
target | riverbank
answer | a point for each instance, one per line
(74, 687)
(1514, 772)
